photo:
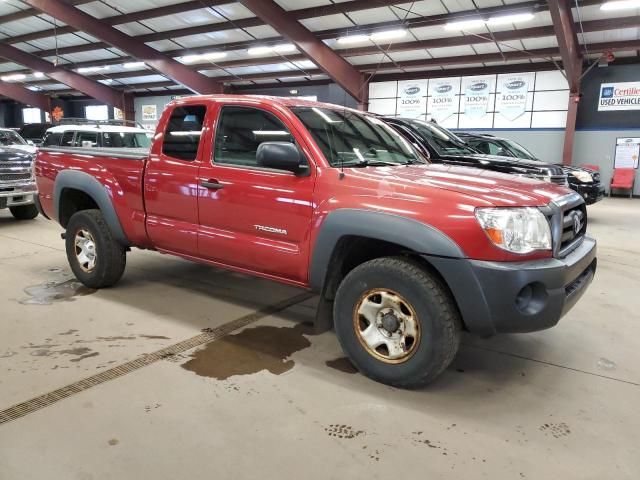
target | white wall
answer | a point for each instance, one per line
(547, 102)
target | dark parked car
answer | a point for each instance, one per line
(34, 132)
(442, 146)
(585, 181)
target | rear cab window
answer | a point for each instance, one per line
(183, 134)
(67, 139)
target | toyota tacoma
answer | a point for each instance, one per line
(404, 254)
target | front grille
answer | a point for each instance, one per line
(17, 171)
(559, 179)
(7, 177)
(568, 220)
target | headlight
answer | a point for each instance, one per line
(517, 230)
(582, 176)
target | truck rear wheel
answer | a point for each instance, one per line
(95, 257)
(396, 322)
(24, 212)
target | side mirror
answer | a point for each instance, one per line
(281, 156)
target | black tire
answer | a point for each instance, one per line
(437, 316)
(24, 212)
(110, 256)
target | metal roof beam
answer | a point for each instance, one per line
(335, 66)
(24, 95)
(162, 63)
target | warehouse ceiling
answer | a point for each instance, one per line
(234, 46)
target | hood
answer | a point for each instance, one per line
(492, 187)
(535, 167)
(10, 154)
(23, 148)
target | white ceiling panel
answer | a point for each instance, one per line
(143, 79)
(128, 6)
(90, 56)
(459, 5)
(542, 42)
(451, 51)
(7, 8)
(234, 11)
(26, 25)
(327, 22)
(98, 9)
(593, 12)
(410, 55)
(481, 48)
(297, 4)
(438, 31)
(419, 9)
(463, 65)
(374, 15)
(263, 31)
(213, 38)
(191, 18)
(367, 59)
(67, 40)
(134, 28)
(10, 67)
(619, 35)
(162, 45)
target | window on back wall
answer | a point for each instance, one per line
(96, 112)
(31, 115)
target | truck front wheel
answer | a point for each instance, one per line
(24, 212)
(96, 259)
(396, 322)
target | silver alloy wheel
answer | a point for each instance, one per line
(85, 247)
(386, 326)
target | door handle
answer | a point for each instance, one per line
(211, 184)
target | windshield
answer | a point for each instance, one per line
(126, 140)
(440, 139)
(348, 139)
(9, 137)
(518, 150)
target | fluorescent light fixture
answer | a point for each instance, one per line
(33, 88)
(13, 77)
(203, 56)
(353, 39)
(506, 19)
(92, 69)
(134, 65)
(465, 24)
(388, 35)
(620, 5)
(284, 48)
(38, 74)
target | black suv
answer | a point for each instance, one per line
(442, 146)
(583, 180)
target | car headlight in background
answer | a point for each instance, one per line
(517, 230)
(583, 176)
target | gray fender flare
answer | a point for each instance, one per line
(86, 183)
(412, 234)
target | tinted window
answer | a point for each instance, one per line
(8, 137)
(52, 139)
(347, 138)
(67, 139)
(126, 140)
(440, 139)
(183, 133)
(241, 129)
(87, 139)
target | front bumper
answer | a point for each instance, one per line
(591, 192)
(510, 297)
(16, 195)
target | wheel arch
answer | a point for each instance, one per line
(75, 191)
(348, 237)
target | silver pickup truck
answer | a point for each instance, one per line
(17, 183)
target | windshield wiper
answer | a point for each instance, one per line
(374, 163)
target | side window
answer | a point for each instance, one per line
(87, 139)
(494, 149)
(241, 129)
(52, 139)
(67, 139)
(182, 136)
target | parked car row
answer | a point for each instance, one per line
(487, 152)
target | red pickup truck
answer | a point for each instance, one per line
(404, 254)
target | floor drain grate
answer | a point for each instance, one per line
(42, 401)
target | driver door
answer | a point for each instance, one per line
(254, 218)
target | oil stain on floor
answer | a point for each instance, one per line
(250, 351)
(50, 292)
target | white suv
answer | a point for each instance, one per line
(98, 134)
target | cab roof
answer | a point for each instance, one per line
(262, 99)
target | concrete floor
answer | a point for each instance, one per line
(263, 403)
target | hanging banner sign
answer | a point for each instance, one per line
(412, 99)
(512, 99)
(476, 97)
(619, 96)
(443, 101)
